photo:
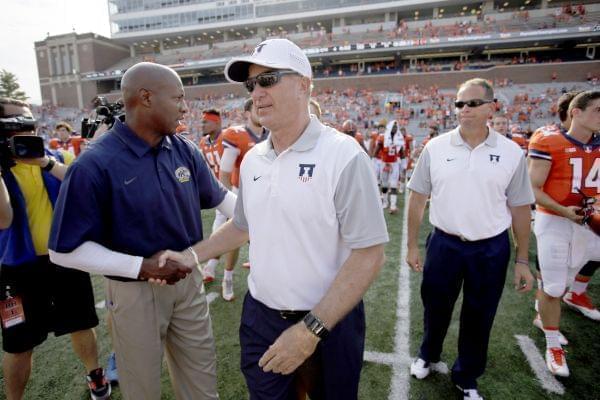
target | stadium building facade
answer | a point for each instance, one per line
(353, 39)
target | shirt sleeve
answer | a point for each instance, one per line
(211, 191)
(519, 191)
(420, 181)
(78, 211)
(358, 206)
(239, 217)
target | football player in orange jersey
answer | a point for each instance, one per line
(577, 297)
(391, 145)
(211, 145)
(564, 166)
(68, 144)
(236, 142)
(405, 161)
(376, 156)
(349, 128)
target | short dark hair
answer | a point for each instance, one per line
(7, 100)
(583, 100)
(248, 104)
(563, 104)
(65, 125)
(483, 83)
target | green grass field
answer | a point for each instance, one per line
(57, 374)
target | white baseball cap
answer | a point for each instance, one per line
(271, 53)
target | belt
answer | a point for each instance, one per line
(293, 316)
(122, 278)
(459, 237)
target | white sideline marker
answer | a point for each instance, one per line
(400, 359)
(538, 365)
(401, 378)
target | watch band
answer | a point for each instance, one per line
(315, 325)
(50, 165)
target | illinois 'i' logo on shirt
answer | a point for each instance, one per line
(306, 172)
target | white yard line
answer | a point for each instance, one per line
(401, 379)
(538, 365)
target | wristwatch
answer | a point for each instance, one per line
(50, 165)
(315, 325)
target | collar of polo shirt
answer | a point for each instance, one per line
(305, 142)
(457, 140)
(133, 141)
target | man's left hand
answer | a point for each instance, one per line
(290, 350)
(523, 278)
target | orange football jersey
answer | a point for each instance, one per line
(73, 144)
(212, 150)
(242, 139)
(388, 154)
(575, 166)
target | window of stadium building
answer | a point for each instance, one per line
(265, 10)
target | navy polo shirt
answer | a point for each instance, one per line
(132, 198)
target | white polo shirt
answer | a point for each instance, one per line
(472, 189)
(305, 210)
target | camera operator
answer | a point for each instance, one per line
(36, 296)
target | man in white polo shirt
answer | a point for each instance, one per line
(308, 200)
(478, 183)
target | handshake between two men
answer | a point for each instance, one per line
(168, 267)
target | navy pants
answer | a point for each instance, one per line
(478, 267)
(338, 358)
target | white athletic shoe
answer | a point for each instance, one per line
(420, 368)
(227, 290)
(537, 322)
(557, 362)
(470, 394)
(583, 304)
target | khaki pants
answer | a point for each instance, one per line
(148, 319)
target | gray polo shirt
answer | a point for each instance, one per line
(305, 210)
(472, 189)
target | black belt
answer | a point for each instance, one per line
(122, 279)
(293, 316)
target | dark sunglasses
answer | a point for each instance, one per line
(266, 79)
(471, 103)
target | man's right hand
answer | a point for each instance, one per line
(413, 259)
(169, 273)
(572, 213)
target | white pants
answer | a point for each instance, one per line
(563, 248)
(390, 175)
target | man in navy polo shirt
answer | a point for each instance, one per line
(137, 190)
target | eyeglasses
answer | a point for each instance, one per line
(266, 79)
(471, 103)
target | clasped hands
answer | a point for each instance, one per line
(167, 267)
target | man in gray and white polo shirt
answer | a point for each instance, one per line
(478, 183)
(309, 203)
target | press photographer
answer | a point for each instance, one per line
(102, 119)
(36, 296)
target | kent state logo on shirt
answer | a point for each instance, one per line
(494, 158)
(182, 174)
(306, 172)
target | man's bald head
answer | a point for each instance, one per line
(149, 76)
